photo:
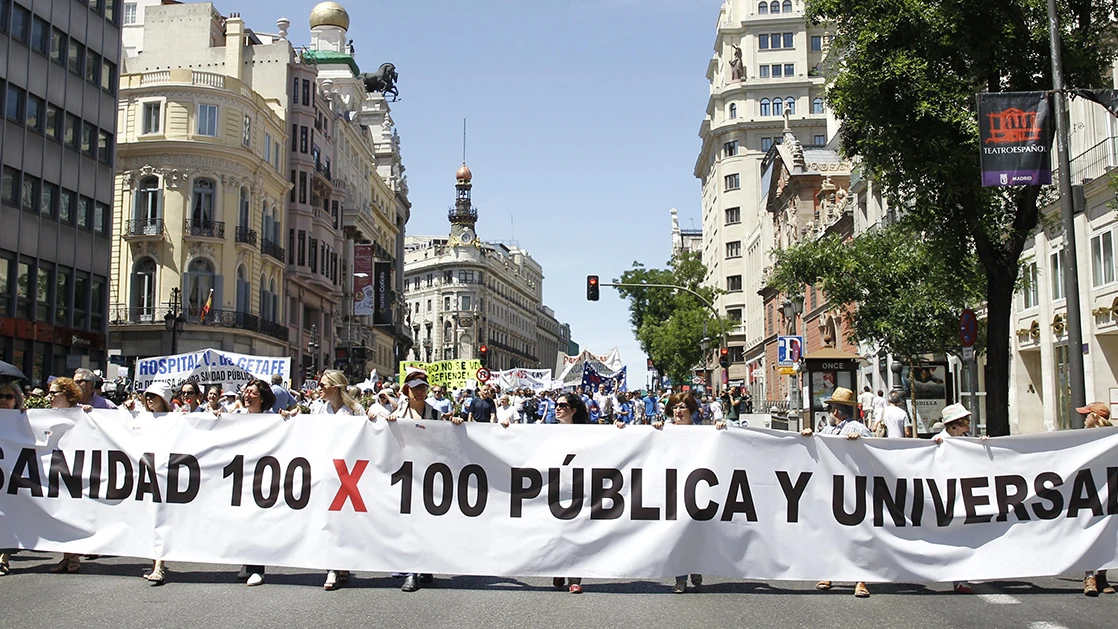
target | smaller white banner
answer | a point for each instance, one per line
(209, 365)
(535, 379)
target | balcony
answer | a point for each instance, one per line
(205, 229)
(141, 228)
(123, 315)
(269, 248)
(246, 236)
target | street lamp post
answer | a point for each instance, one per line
(793, 307)
(174, 320)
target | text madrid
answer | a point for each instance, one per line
(569, 491)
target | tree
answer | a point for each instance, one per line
(670, 324)
(899, 291)
(902, 78)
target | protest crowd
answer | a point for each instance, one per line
(865, 416)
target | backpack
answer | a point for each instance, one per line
(531, 407)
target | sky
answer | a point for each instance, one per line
(582, 128)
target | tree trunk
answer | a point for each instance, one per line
(999, 299)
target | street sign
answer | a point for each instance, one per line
(786, 371)
(968, 353)
(482, 375)
(789, 350)
(968, 328)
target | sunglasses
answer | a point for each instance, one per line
(53, 393)
(7, 396)
(189, 392)
(562, 405)
(147, 396)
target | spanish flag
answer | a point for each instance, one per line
(209, 304)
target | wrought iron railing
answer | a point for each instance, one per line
(123, 315)
(205, 229)
(269, 248)
(145, 227)
(246, 235)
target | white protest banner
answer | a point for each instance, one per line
(337, 492)
(210, 365)
(535, 379)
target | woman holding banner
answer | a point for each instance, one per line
(336, 401)
(681, 407)
(570, 409)
(11, 398)
(65, 393)
(257, 398)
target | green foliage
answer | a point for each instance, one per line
(36, 401)
(669, 323)
(903, 76)
(904, 295)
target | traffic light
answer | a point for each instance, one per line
(483, 355)
(724, 357)
(592, 287)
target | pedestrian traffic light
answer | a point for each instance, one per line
(592, 287)
(483, 355)
(724, 357)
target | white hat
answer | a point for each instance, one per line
(162, 389)
(954, 412)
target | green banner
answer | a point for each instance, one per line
(450, 374)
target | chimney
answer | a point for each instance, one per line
(234, 45)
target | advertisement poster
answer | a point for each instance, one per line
(382, 293)
(1015, 131)
(362, 280)
(930, 384)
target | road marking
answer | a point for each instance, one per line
(1046, 625)
(999, 599)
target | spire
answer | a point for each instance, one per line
(463, 212)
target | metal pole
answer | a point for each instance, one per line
(1077, 398)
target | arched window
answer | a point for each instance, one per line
(790, 105)
(147, 201)
(786, 6)
(266, 224)
(778, 107)
(244, 290)
(774, 6)
(244, 214)
(202, 207)
(763, 8)
(765, 107)
(142, 306)
(817, 106)
(276, 226)
(274, 294)
(733, 111)
(198, 281)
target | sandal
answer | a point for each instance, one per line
(861, 591)
(576, 589)
(69, 564)
(823, 585)
(4, 568)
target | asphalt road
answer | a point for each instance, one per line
(109, 593)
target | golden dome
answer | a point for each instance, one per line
(329, 14)
(464, 173)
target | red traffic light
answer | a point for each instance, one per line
(724, 351)
(483, 349)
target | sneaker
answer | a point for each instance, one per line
(1104, 586)
(963, 588)
(1090, 587)
(576, 588)
(255, 579)
(680, 586)
(697, 580)
(411, 584)
(331, 581)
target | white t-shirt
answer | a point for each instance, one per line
(866, 400)
(715, 410)
(323, 408)
(895, 419)
(507, 414)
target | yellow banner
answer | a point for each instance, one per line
(451, 374)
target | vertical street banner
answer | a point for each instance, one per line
(382, 293)
(1015, 135)
(363, 280)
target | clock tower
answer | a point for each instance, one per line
(463, 215)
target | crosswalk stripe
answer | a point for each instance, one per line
(1046, 625)
(999, 599)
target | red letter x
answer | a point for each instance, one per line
(349, 486)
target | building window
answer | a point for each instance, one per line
(88, 145)
(75, 57)
(733, 111)
(142, 306)
(53, 120)
(733, 215)
(786, 6)
(268, 147)
(85, 205)
(303, 139)
(202, 208)
(789, 70)
(129, 13)
(730, 148)
(466, 302)
(13, 104)
(733, 283)
(302, 186)
(734, 315)
(40, 35)
(30, 196)
(243, 215)
(766, 108)
(34, 112)
(774, 40)
(81, 299)
(762, 42)
(244, 290)
(105, 146)
(766, 144)
(152, 119)
(1030, 291)
(48, 199)
(147, 201)
(733, 249)
(1102, 259)
(789, 40)
(92, 67)
(302, 247)
(819, 140)
(1056, 271)
(778, 106)
(817, 105)
(62, 297)
(198, 281)
(23, 291)
(57, 47)
(763, 8)
(97, 302)
(246, 131)
(207, 120)
(816, 43)
(42, 293)
(306, 92)
(20, 24)
(774, 7)
(777, 71)
(790, 105)
(70, 135)
(66, 205)
(733, 182)
(9, 187)
(763, 72)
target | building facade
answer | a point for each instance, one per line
(59, 62)
(765, 65)
(463, 293)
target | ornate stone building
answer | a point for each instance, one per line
(766, 64)
(463, 293)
